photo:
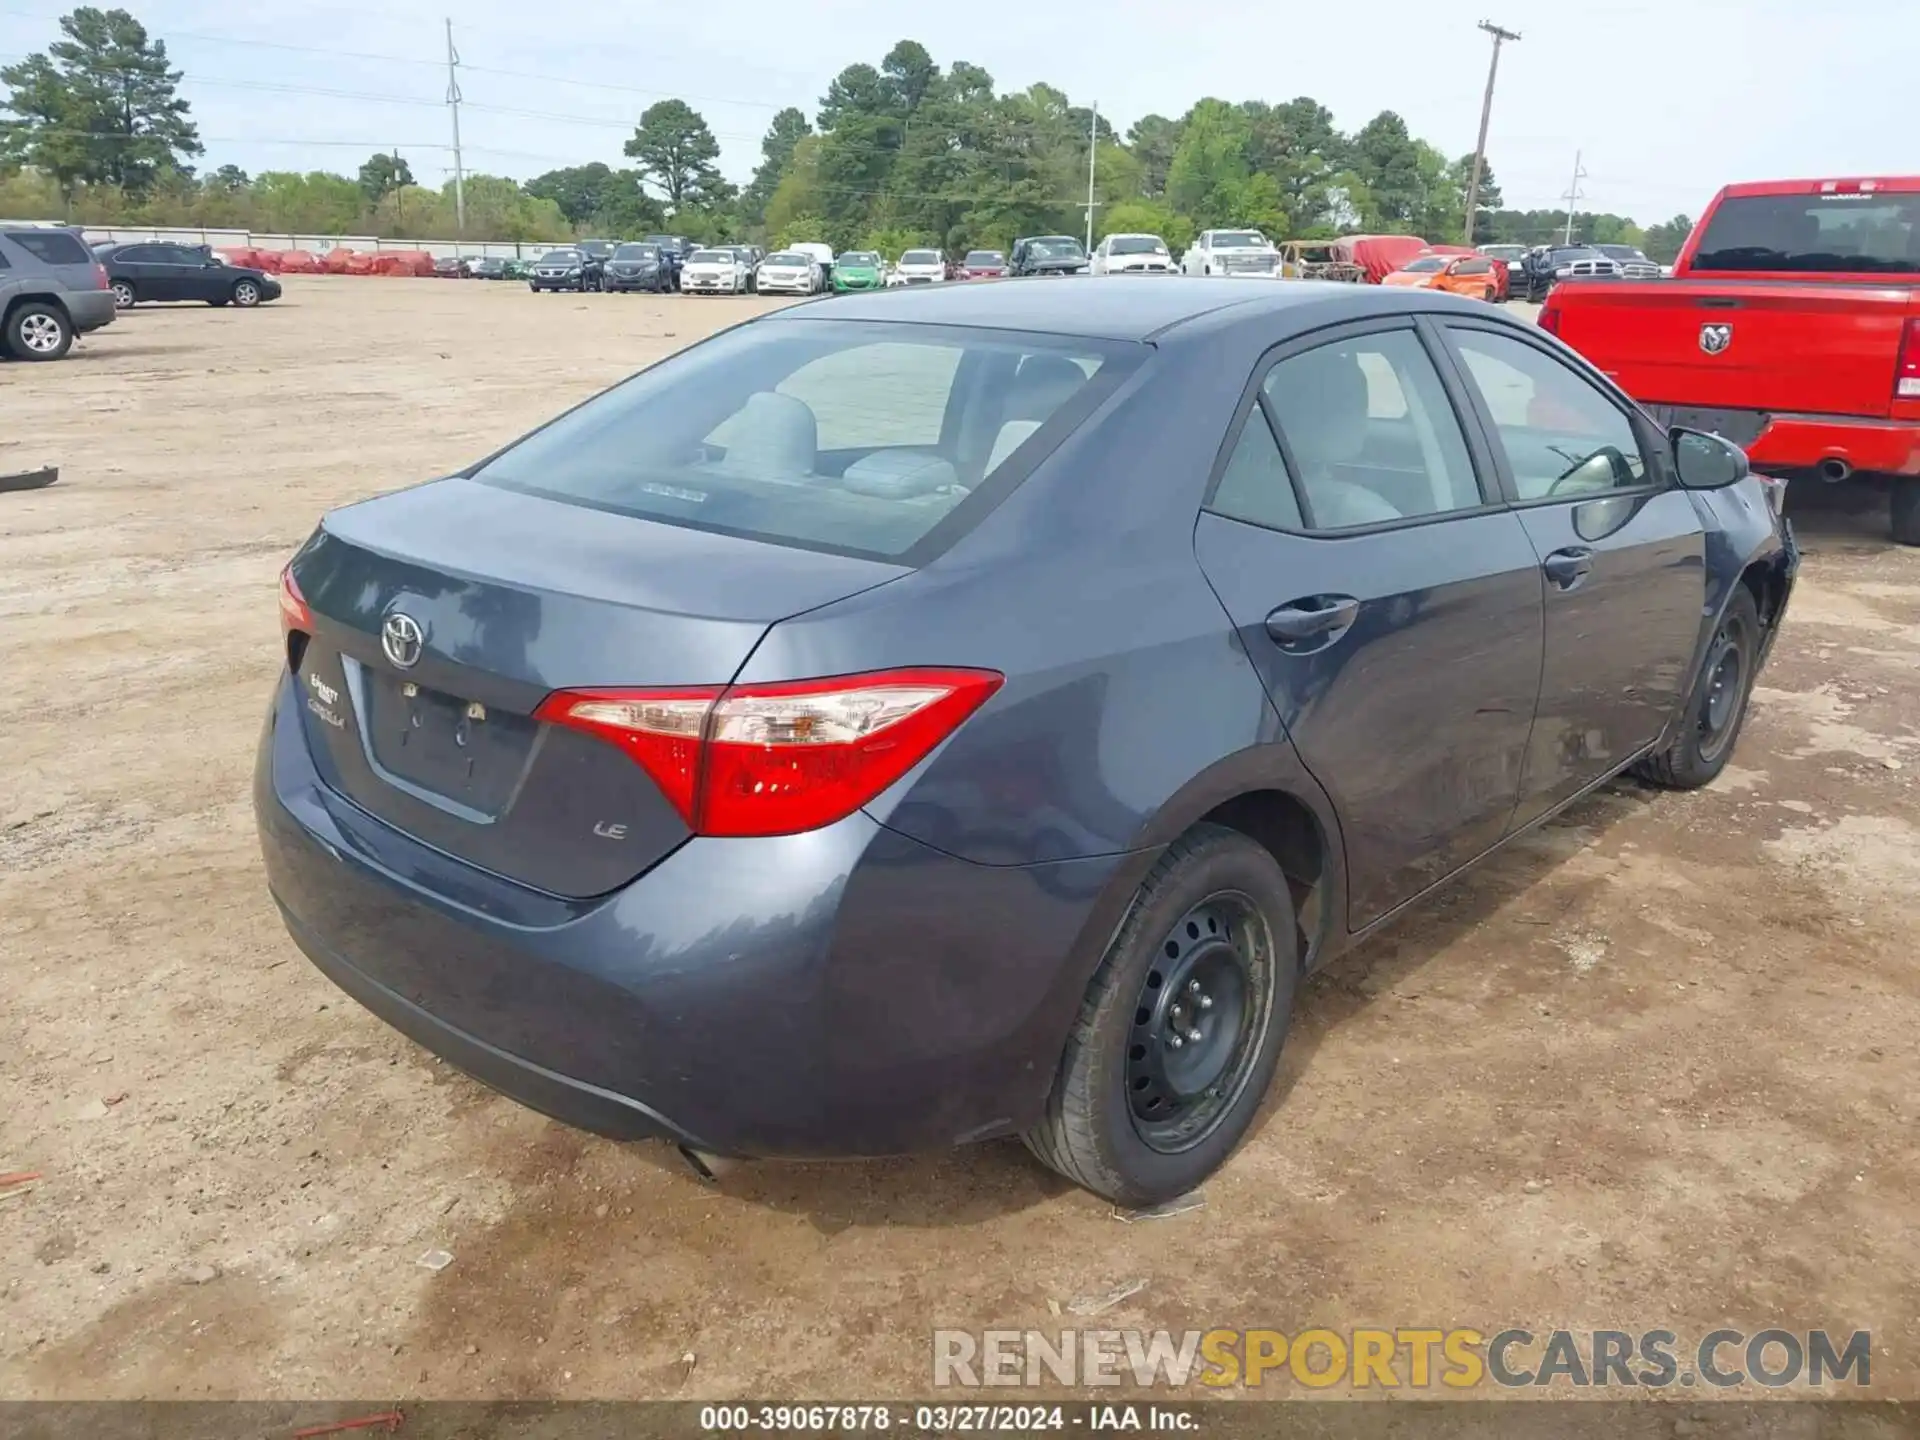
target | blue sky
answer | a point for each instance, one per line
(1665, 100)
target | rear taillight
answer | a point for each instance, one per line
(99, 277)
(1550, 317)
(294, 614)
(1906, 378)
(777, 759)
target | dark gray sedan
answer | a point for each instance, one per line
(970, 710)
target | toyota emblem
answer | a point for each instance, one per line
(1715, 338)
(402, 639)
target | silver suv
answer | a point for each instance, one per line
(51, 289)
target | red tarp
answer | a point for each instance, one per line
(240, 255)
(297, 262)
(403, 262)
(1378, 255)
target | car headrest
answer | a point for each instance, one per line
(1321, 401)
(773, 437)
(899, 474)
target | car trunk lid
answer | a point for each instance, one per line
(1792, 347)
(443, 615)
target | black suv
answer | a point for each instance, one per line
(155, 270)
(1048, 255)
(638, 266)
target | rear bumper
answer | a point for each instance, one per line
(848, 991)
(90, 309)
(1800, 442)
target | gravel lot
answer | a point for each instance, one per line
(1653, 1067)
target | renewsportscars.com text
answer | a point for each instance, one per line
(1407, 1358)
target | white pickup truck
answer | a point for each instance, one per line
(1231, 252)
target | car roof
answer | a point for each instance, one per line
(1137, 308)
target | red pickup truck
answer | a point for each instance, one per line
(1791, 327)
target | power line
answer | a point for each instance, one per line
(1486, 114)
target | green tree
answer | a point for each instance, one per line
(677, 151)
(382, 174)
(1389, 164)
(98, 107)
(788, 129)
(1663, 241)
(908, 74)
(1153, 139)
(596, 197)
(1209, 170)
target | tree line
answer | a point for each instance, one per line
(896, 155)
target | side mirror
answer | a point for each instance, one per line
(1706, 462)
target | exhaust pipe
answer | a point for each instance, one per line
(710, 1168)
(1833, 470)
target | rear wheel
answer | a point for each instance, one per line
(1905, 502)
(1181, 1027)
(1487, 295)
(38, 331)
(123, 296)
(1705, 743)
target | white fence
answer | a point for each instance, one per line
(318, 244)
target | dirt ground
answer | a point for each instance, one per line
(1653, 1067)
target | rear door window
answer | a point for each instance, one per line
(53, 247)
(885, 441)
(1837, 234)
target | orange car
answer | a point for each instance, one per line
(1470, 275)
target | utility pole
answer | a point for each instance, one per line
(1486, 114)
(453, 104)
(1573, 195)
(1093, 148)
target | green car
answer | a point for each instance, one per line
(519, 269)
(858, 270)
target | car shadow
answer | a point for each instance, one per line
(998, 1178)
(1848, 517)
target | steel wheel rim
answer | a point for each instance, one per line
(245, 293)
(1199, 1022)
(1725, 671)
(40, 333)
(123, 296)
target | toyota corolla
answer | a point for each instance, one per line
(970, 711)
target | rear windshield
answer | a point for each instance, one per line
(883, 441)
(1136, 245)
(55, 247)
(1814, 234)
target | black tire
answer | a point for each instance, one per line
(1717, 707)
(1904, 504)
(1093, 1132)
(39, 331)
(246, 293)
(124, 296)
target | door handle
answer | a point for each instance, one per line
(1566, 568)
(1312, 618)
